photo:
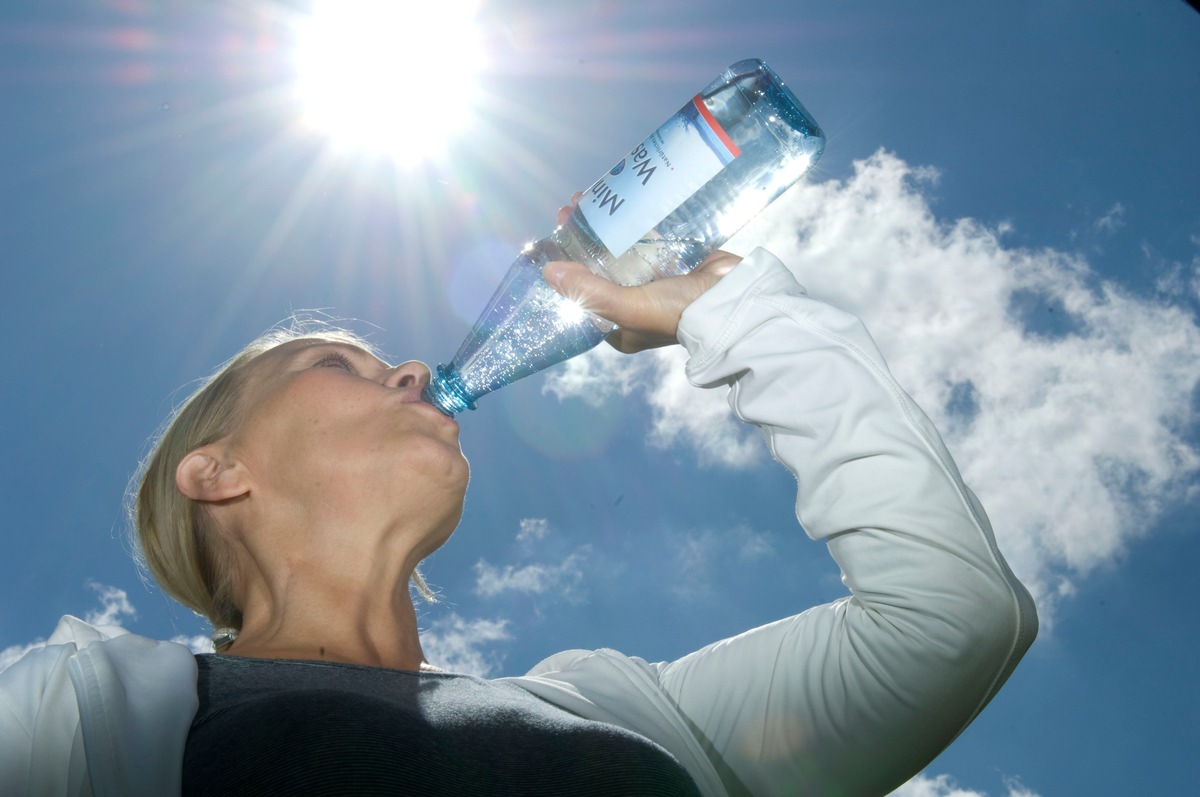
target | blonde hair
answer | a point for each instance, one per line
(174, 538)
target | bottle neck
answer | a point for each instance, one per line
(447, 393)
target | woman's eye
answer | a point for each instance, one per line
(335, 359)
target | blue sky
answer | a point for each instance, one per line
(1007, 197)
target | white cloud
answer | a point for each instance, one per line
(701, 555)
(944, 786)
(535, 578)
(533, 529)
(1066, 399)
(459, 645)
(706, 424)
(114, 606)
(1113, 220)
(532, 579)
(1177, 279)
(1017, 789)
(197, 644)
(940, 786)
(598, 376)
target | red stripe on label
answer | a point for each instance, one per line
(734, 149)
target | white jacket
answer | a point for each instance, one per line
(851, 698)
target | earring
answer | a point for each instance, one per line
(222, 638)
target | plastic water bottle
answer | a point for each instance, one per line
(726, 155)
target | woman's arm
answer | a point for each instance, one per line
(856, 696)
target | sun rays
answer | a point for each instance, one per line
(353, 151)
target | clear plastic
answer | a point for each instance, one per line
(527, 326)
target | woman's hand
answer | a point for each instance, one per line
(647, 316)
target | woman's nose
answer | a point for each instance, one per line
(413, 372)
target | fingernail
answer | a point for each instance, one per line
(553, 272)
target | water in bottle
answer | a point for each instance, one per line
(668, 204)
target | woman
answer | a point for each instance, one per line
(293, 498)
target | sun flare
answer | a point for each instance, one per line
(570, 311)
(389, 75)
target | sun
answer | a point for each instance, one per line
(392, 76)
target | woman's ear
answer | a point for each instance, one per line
(204, 475)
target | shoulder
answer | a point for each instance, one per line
(83, 682)
(608, 686)
(80, 662)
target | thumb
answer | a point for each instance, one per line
(575, 281)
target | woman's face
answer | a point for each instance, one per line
(336, 435)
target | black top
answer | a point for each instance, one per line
(300, 727)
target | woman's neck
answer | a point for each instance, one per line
(326, 612)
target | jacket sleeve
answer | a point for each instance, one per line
(856, 696)
(96, 711)
(41, 746)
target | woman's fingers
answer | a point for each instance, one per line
(647, 315)
(565, 211)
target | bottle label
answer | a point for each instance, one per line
(657, 177)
